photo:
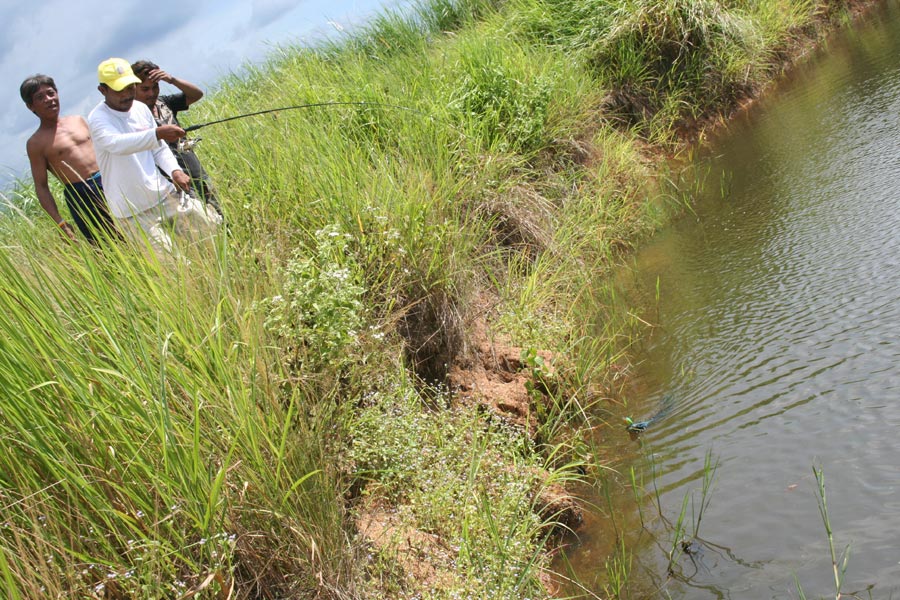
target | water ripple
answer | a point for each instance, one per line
(779, 328)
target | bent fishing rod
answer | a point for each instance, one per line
(310, 105)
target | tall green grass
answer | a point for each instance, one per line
(145, 434)
(211, 427)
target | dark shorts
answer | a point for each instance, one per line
(88, 207)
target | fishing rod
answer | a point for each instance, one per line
(310, 105)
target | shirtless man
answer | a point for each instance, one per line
(62, 146)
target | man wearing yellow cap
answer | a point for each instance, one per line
(131, 151)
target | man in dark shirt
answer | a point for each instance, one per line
(165, 110)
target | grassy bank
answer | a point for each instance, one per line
(290, 412)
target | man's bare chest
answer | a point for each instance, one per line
(67, 140)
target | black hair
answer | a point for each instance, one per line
(142, 67)
(32, 85)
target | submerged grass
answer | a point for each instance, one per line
(220, 426)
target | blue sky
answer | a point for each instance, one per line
(198, 40)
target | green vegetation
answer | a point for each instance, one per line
(838, 567)
(239, 424)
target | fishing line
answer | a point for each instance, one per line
(311, 105)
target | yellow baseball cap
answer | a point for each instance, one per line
(116, 73)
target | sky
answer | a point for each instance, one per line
(198, 40)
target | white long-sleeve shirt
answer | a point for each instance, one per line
(128, 154)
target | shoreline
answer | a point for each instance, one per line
(560, 500)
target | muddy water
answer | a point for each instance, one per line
(776, 328)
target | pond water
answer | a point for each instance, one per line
(775, 312)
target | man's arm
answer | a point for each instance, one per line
(165, 160)
(191, 92)
(42, 187)
(109, 139)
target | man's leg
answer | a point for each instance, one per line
(148, 227)
(182, 214)
(194, 219)
(88, 209)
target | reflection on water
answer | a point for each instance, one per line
(778, 333)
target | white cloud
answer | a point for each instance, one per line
(263, 12)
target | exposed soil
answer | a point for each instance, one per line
(423, 559)
(493, 375)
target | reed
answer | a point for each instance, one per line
(838, 565)
(839, 562)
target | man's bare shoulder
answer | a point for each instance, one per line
(40, 140)
(73, 120)
(73, 125)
